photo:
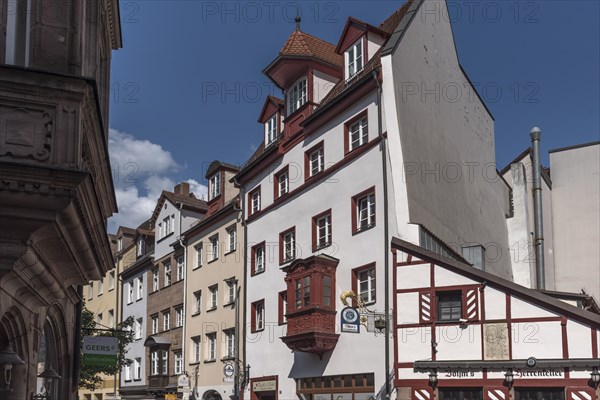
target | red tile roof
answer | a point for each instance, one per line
(302, 44)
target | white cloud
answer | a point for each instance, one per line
(141, 171)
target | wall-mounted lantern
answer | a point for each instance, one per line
(8, 359)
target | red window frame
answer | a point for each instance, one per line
(347, 143)
(253, 259)
(355, 287)
(282, 235)
(276, 176)
(253, 315)
(354, 209)
(315, 230)
(307, 154)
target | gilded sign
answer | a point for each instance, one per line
(264, 386)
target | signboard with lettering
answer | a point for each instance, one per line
(350, 320)
(170, 396)
(539, 373)
(100, 351)
(264, 386)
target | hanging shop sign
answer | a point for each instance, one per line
(350, 320)
(100, 351)
(264, 386)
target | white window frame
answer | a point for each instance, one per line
(214, 247)
(360, 128)
(325, 239)
(297, 95)
(111, 318)
(231, 291)
(229, 343)
(111, 280)
(283, 180)
(289, 246)
(196, 348)
(255, 197)
(178, 317)
(197, 302)
(166, 320)
(271, 130)
(371, 285)
(137, 328)
(199, 255)
(101, 287)
(155, 280)
(316, 164)
(259, 259)
(140, 288)
(140, 247)
(214, 184)
(127, 372)
(154, 363)
(165, 362)
(232, 238)
(129, 292)
(91, 290)
(154, 324)
(354, 57)
(167, 281)
(213, 299)
(180, 268)
(178, 363)
(211, 346)
(365, 209)
(137, 369)
(259, 317)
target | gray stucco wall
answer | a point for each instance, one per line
(137, 309)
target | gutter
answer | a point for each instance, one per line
(185, 286)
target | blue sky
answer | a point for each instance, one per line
(187, 86)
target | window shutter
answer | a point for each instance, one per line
(422, 394)
(426, 307)
(580, 393)
(471, 304)
(496, 393)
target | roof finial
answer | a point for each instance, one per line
(298, 19)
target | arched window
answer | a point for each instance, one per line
(48, 364)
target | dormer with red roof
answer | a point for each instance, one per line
(306, 68)
(358, 43)
(272, 117)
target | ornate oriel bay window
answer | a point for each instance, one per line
(311, 305)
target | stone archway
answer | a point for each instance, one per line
(13, 336)
(211, 395)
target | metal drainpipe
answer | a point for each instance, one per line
(386, 266)
(117, 374)
(185, 286)
(536, 135)
(239, 392)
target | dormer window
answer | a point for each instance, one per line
(297, 95)
(354, 59)
(140, 247)
(214, 186)
(120, 244)
(271, 130)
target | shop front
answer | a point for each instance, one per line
(264, 388)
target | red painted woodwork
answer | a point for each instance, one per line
(311, 327)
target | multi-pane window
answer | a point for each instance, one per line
(137, 368)
(214, 247)
(231, 289)
(524, 393)
(258, 316)
(166, 320)
(168, 225)
(316, 162)
(155, 280)
(282, 307)
(167, 274)
(178, 317)
(214, 292)
(199, 255)
(154, 362)
(358, 133)
(258, 258)
(165, 362)
(211, 346)
(214, 186)
(231, 239)
(155, 324)
(288, 243)
(477, 394)
(180, 268)
(365, 282)
(449, 306)
(120, 244)
(255, 200)
(354, 59)
(197, 302)
(196, 344)
(302, 292)
(137, 328)
(178, 363)
(297, 96)
(161, 230)
(365, 211)
(230, 343)
(322, 230)
(140, 247)
(140, 287)
(283, 183)
(271, 130)
(111, 280)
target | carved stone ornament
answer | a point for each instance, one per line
(25, 133)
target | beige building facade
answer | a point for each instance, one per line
(215, 270)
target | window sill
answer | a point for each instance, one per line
(165, 237)
(229, 303)
(230, 251)
(141, 298)
(210, 361)
(228, 358)
(258, 272)
(127, 380)
(213, 260)
(197, 267)
(257, 330)
(356, 232)
(137, 379)
(322, 246)
(195, 363)
(211, 309)
(284, 262)
(196, 314)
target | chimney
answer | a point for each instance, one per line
(182, 189)
(536, 135)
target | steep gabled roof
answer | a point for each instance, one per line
(188, 202)
(216, 165)
(302, 44)
(276, 102)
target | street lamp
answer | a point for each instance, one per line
(595, 377)
(8, 359)
(49, 376)
(509, 378)
(433, 379)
